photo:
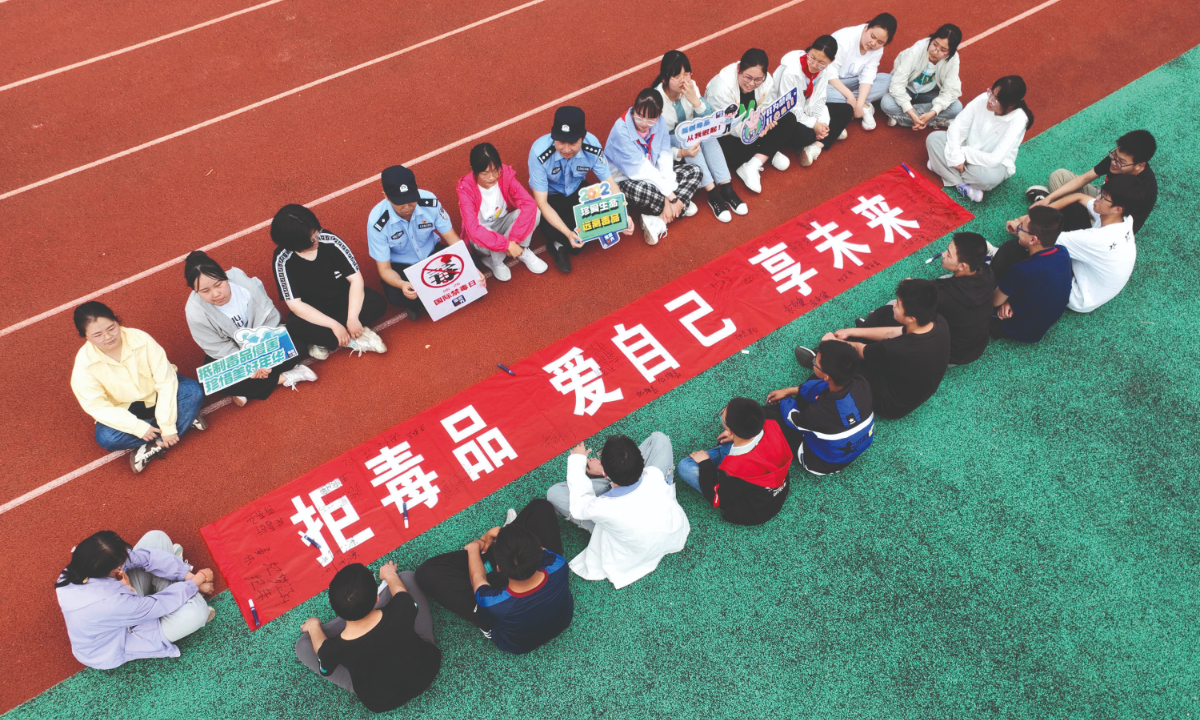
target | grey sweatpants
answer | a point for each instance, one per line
(503, 225)
(187, 619)
(656, 452)
(341, 677)
(977, 176)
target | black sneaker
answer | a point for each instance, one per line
(200, 423)
(562, 259)
(719, 207)
(805, 357)
(1034, 193)
(141, 457)
(735, 203)
(414, 312)
(860, 322)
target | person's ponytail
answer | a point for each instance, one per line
(1010, 93)
(95, 557)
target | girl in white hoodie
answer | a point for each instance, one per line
(925, 85)
(979, 151)
(859, 82)
(748, 85)
(814, 124)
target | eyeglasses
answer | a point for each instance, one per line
(1115, 161)
(643, 122)
(753, 81)
(1025, 230)
(721, 419)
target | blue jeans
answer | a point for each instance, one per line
(689, 470)
(921, 104)
(187, 408)
(879, 88)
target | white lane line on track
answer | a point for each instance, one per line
(138, 46)
(267, 101)
(388, 323)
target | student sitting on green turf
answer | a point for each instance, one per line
(828, 421)
(1033, 294)
(905, 364)
(745, 476)
(380, 648)
(1102, 257)
(511, 583)
(1131, 156)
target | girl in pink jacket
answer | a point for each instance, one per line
(498, 214)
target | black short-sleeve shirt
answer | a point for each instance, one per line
(906, 371)
(1149, 186)
(321, 282)
(391, 664)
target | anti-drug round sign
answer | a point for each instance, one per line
(446, 280)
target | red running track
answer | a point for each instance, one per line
(81, 233)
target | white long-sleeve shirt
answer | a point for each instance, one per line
(813, 109)
(851, 62)
(980, 137)
(635, 527)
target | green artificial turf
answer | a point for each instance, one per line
(1023, 546)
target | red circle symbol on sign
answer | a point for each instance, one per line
(442, 270)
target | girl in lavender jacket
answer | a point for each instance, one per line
(498, 214)
(124, 603)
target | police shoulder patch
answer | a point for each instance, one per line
(545, 156)
(591, 149)
(428, 202)
(383, 220)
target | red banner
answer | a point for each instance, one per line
(285, 547)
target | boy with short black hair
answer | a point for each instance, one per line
(379, 648)
(1034, 292)
(511, 583)
(904, 364)
(828, 420)
(1103, 256)
(1131, 156)
(745, 476)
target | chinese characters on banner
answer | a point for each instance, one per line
(446, 280)
(285, 547)
(261, 348)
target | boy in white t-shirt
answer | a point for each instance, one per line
(1103, 256)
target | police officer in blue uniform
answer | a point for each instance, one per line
(558, 165)
(402, 230)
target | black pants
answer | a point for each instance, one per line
(996, 330)
(794, 134)
(881, 317)
(1007, 255)
(1076, 217)
(396, 296)
(305, 333)
(255, 389)
(840, 115)
(564, 205)
(737, 153)
(447, 579)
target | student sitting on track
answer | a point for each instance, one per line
(122, 378)
(558, 166)
(925, 86)
(682, 102)
(317, 277)
(748, 85)
(379, 648)
(827, 420)
(1033, 294)
(1102, 257)
(813, 125)
(964, 298)
(125, 603)
(857, 79)
(498, 214)
(626, 500)
(904, 364)
(1131, 156)
(402, 230)
(745, 476)
(511, 583)
(222, 303)
(979, 150)
(655, 184)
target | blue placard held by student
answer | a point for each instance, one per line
(756, 123)
(261, 348)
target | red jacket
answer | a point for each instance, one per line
(750, 489)
(469, 199)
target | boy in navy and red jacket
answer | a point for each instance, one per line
(746, 475)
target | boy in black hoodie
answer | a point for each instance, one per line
(964, 298)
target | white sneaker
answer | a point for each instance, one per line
(780, 162)
(749, 173)
(535, 264)
(240, 400)
(691, 209)
(891, 121)
(970, 191)
(653, 228)
(499, 270)
(201, 424)
(868, 118)
(141, 457)
(844, 134)
(810, 153)
(316, 352)
(368, 341)
(300, 373)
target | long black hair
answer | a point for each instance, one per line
(951, 34)
(91, 311)
(95, 557)
(199, 263)
(887, 22)
(754, 57)
(673, 63)
(293, 226)
(484, 156)
(1010, 93)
